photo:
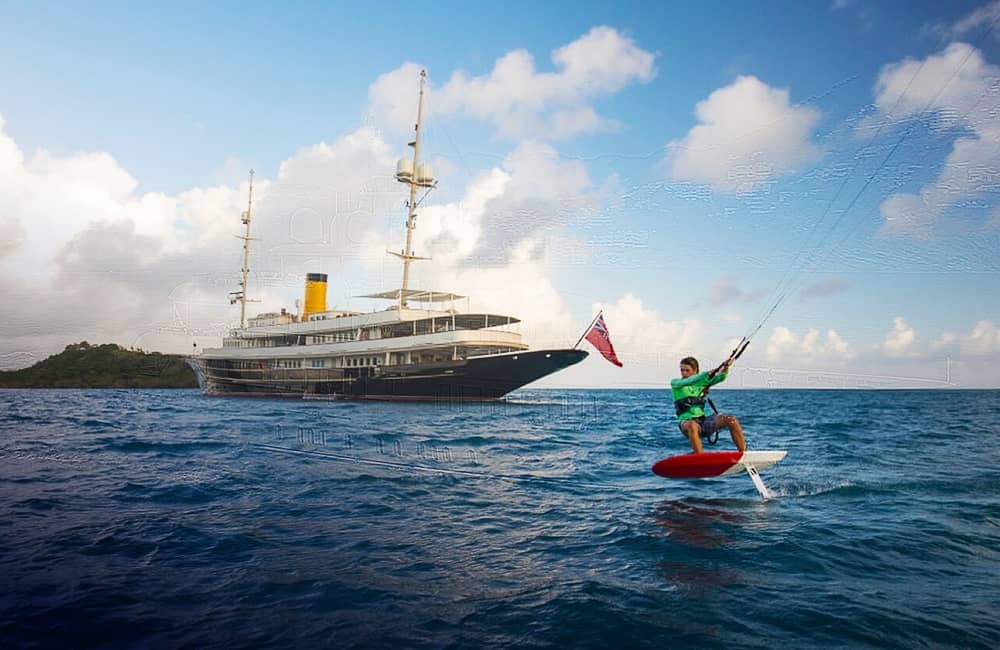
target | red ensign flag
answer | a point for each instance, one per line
(598, 337)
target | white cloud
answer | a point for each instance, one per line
(945, 340)
(900, 340)
(450, 232)
(391, 96)
(961, 88)
(11, 156)
(570, 122)
(539, 172)
(786, 347)
(45, 201)
(12, 234)
(648, 345)
(600, 61)
(546, 319)
(518, 99)
(951, 81)
(94, 259)
(641, 335)
(983, 340)
(535, 195)
(508, 230)
(981, 17)
(748, 133)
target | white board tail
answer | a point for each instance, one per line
(759, 459)
(754, 460)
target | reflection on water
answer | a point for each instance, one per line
(695, 524)
(704, 535)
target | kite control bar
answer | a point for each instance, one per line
(737, 353)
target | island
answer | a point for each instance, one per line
(83, 365)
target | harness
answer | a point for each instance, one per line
(685, 404)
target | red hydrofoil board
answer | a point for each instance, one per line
(715, 463)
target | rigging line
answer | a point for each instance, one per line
(783, 286)
(848, 234)
(874, 174)
(850, 205)
(789, 277)
(417, 203)
(906, 134)
(962, 118)
(460, 154)
(767, 315)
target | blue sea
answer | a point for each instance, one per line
(159, 519)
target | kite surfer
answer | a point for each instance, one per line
(690, 393)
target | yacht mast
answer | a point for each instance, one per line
(415, 175)
(241, 295)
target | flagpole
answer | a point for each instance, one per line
(587, 331)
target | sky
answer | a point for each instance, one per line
(823, 175)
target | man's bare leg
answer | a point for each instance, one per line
(693, 432)
(735, 430)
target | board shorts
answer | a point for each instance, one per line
(708, 425)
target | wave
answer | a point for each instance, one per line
(311, 523)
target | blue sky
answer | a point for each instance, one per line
(672, 165)
(175, 90)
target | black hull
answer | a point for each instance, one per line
(476, 379)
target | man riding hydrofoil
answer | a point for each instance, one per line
(690, 393)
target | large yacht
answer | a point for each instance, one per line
(418, 347)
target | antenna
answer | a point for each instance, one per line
(415, 175)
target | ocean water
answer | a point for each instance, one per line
(166, 518)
